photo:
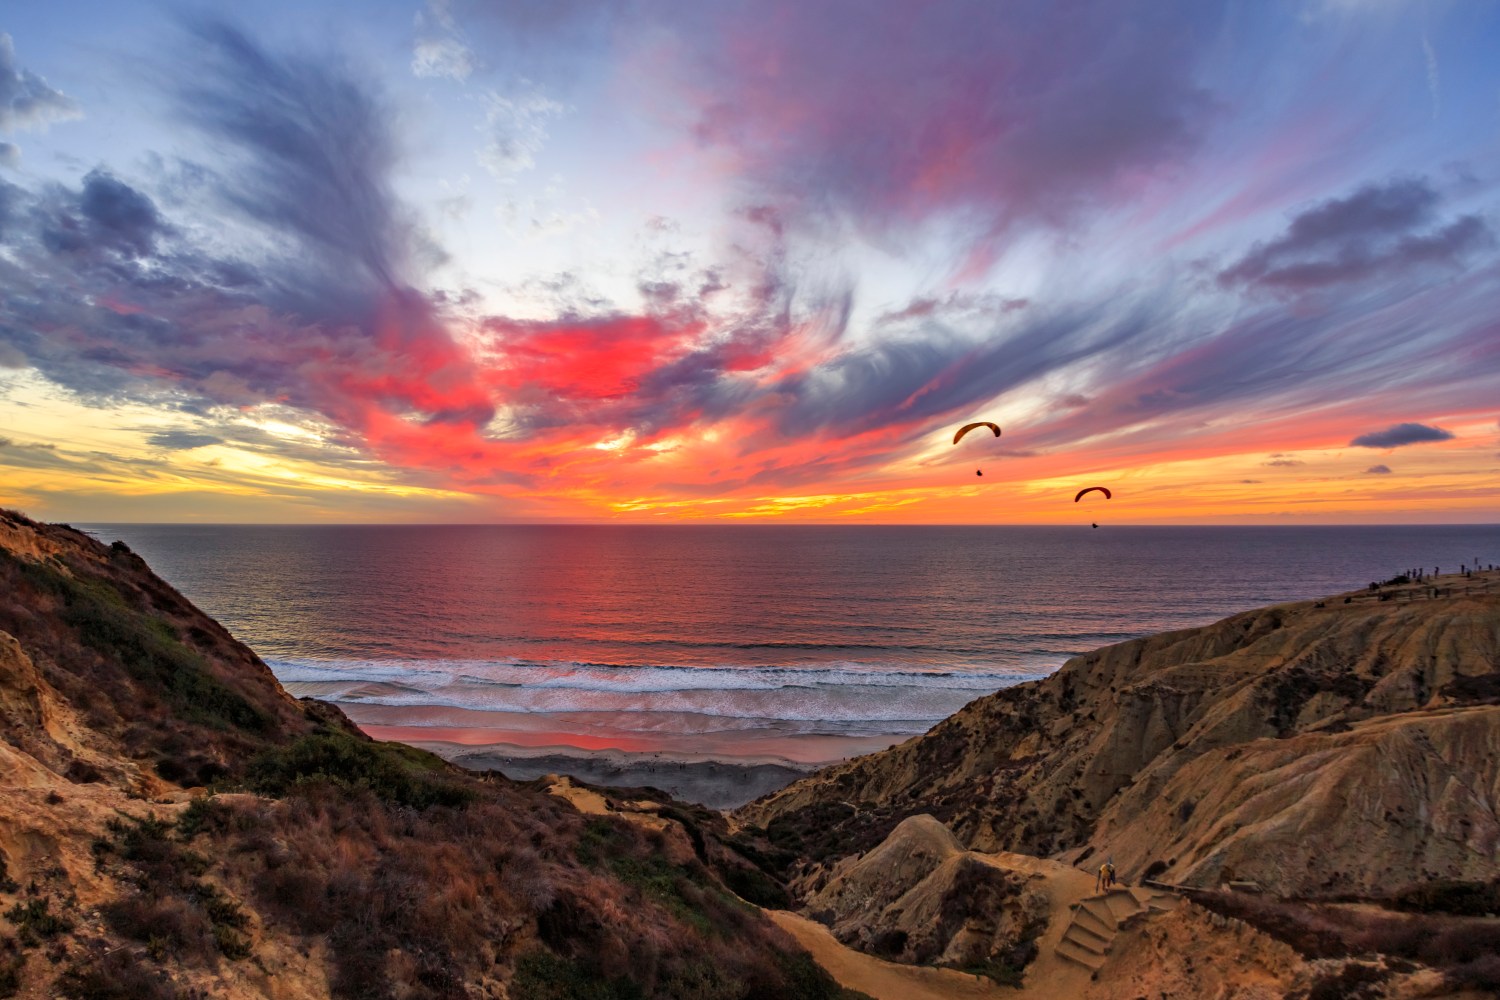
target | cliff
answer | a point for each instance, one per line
(1349, 746)
(174, 825)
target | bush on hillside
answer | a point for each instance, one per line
(391, 772)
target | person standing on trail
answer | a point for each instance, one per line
(1106, 879)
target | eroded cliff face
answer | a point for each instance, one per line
(921, 898)
(1315, 749)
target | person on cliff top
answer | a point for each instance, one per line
(1106, 879)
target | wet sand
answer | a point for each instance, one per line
(672, 734)
(698, 778)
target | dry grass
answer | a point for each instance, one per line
(1465, 949)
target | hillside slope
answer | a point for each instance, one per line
(1316, 748)
(327, 865)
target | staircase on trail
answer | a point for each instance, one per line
(1098, 919)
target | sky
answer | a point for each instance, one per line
(645, 261)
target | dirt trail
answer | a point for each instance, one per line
(884, 980)
(1048, 976)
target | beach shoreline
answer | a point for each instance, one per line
(704, 779)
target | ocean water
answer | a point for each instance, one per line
(810, 643)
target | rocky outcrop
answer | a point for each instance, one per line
(1318, 747)
(920, 898)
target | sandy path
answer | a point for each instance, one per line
(1050, 975)
(883, 980)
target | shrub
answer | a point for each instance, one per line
(755, 886)
(1463, 899)
(35, 921)
(541, 975)
(12, 961)
(399, 775)
(173, 912)
(115, 976)
(201, 814)
(1480, 974)
(168, 925)
(1355, 981)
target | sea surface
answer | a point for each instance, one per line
(802, 642)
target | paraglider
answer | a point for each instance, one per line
(966, 428)
(1101, 489)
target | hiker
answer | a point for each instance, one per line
(1106, 879)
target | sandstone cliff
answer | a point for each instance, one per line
(1315, 748)
(921, 898)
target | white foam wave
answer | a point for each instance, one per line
(840, 694)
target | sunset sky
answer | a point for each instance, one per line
(648, 260)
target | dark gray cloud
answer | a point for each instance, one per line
(10, 154)
(1398, 435)
(11, 200)
(119, 212)
(26, 101)
(1379, 229)
(182, 440)
(1282, 462)
(1378, 470)
(106, 214)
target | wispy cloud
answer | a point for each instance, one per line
(26, 100)
(1434, 89)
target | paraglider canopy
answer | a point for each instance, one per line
(966, 428)
(1101, 489)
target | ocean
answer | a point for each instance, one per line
(807, 643)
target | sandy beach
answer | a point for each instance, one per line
(699, 778)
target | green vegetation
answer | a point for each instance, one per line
(685, 891)
(12, 961)
(998, 969)
(541, 975)
(114, 976)
(173, 911)
(393, 773)
(145, 645)
(1461, 899)
(36, 922)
